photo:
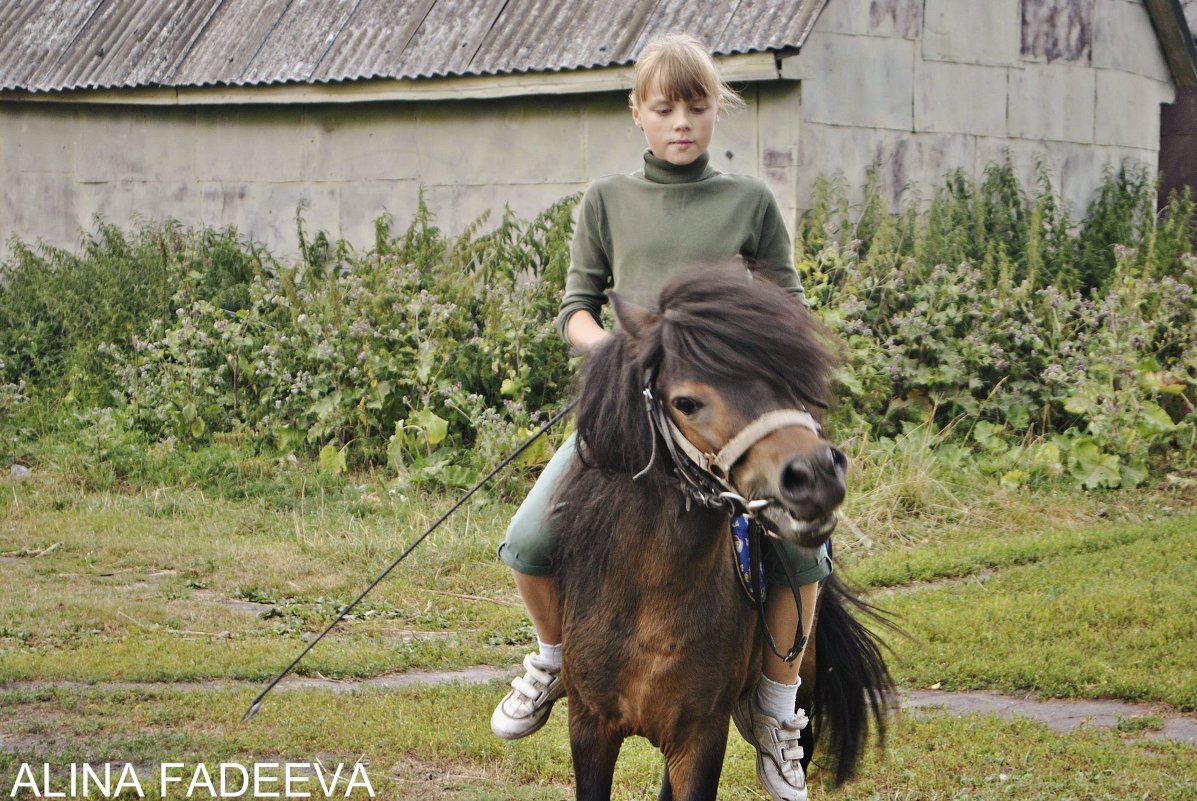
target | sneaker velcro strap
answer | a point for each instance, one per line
(791, 754)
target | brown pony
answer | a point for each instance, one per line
(659, 640)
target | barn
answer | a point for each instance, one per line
(237, 112)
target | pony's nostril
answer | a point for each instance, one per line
(835, 458)
(795, 477)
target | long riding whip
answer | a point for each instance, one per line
(256, 705)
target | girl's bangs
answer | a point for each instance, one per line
(680, 67)
(679, 79)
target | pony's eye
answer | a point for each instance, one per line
(686, 406)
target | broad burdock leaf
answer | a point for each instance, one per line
(332, 459)
(1091, 467)
(1013, 479)
(989, 437)
(1153, 420)
(1133, 474)
(434, 428)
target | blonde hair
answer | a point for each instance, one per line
(683, 69)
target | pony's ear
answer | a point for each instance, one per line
(636, 321)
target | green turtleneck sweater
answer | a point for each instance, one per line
(636, 231)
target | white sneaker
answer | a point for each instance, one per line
(777, 748)
(526, 708)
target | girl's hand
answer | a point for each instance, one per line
(583, 333)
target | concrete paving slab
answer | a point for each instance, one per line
(1059, 714)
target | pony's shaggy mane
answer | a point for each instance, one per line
(722, 324)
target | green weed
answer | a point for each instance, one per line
(1050, 354)
(1140, 723)
(1039, 352)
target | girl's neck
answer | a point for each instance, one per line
(664, 172)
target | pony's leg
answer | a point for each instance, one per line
(666, 787)
(694, 768)
(594, 747)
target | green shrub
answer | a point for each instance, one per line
(57, 308)
(429, 351)
(1054, 363)
(985, 326)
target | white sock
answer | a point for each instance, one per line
(550, 655)
(776, 700)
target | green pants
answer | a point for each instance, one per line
(529, 545)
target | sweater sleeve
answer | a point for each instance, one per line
(775, 253)
(589, 272)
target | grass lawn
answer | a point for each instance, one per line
(433, 743)
(170, 585)
(1096, 613)
(217, 589)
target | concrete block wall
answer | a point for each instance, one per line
(252, 166)
(921, 87)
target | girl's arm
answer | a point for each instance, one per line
(775, 251)
(582, 332)
(588, 277)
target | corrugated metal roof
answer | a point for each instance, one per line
(552, 32)
(50, 45)
(448, 37)
(131, 43)
(37, 35)
(229, 42)
(294, 46)
(374, 40)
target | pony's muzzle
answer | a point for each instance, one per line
(813, 487)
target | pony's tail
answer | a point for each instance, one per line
(853, 690)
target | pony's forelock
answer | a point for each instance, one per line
(734, 325)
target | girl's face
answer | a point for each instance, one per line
(677, 131)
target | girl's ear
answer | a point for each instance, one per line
(636, 321)
(635, 114)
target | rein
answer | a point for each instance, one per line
(704, 479)
(256, 704)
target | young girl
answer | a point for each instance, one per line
(635, 231)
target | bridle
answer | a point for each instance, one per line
(704, 478)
